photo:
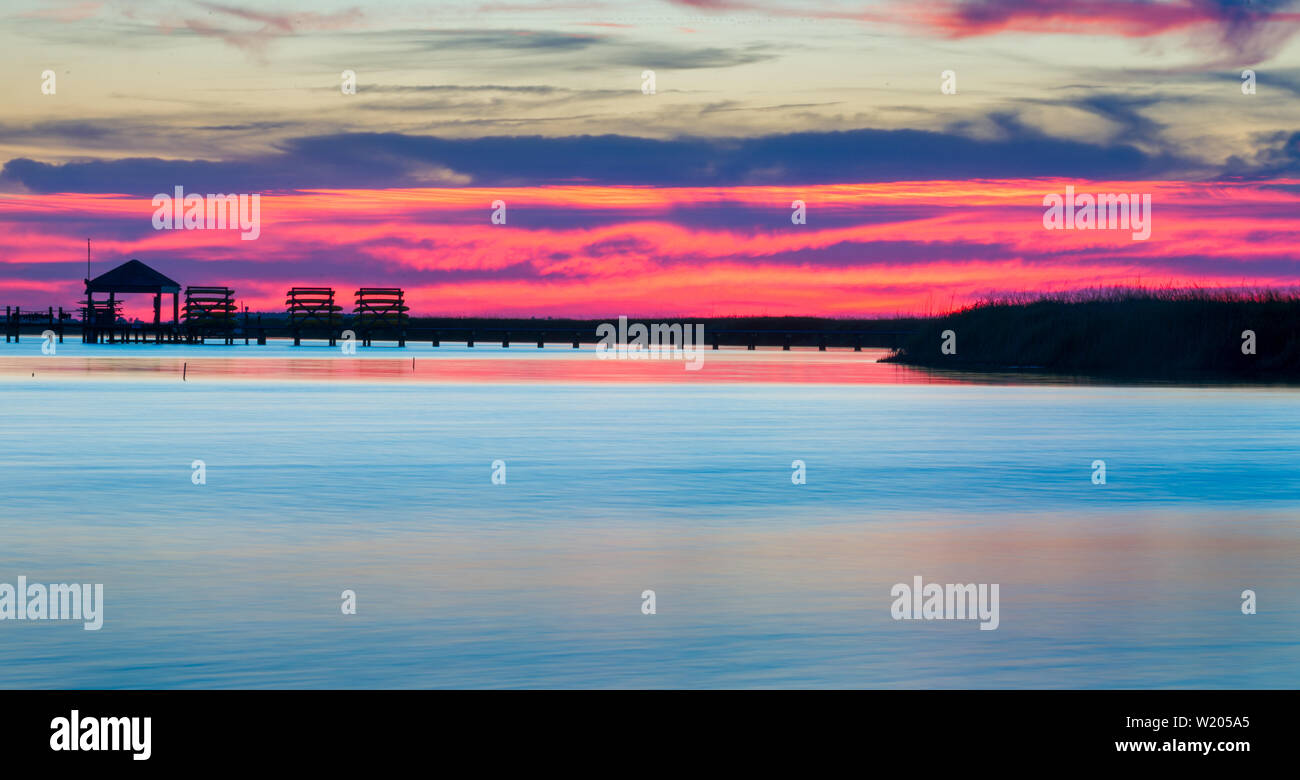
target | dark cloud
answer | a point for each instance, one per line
(406, 89)
(683, 58)
(309, 261)
(1179, 266)
(1276, 155)
(506, 48)
(496, 39)
(872, 254)
(1286, 80)
(378, 160)
(1237, 32)
(1126, 111)
(1234, 31)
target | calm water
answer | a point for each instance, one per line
(327, 473)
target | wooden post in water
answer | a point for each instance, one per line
(331, 319)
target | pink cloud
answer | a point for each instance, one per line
(867, 249)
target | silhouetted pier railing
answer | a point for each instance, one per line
(319, 318)
(35, 320)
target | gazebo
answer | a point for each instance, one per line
(132, 276)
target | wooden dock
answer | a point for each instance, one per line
(38, 321)
(381, 314)
(475, 332)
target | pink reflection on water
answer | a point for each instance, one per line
(723, 366)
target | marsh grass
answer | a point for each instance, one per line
(1135, 332)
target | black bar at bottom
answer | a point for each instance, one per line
(1043, 730)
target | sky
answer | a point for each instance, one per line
(920, 136)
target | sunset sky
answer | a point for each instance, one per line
(675, 203)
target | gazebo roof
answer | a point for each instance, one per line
(132, 276)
